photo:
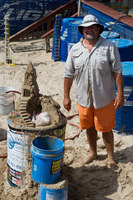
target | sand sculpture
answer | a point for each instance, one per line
(29, 96)
(31, 102)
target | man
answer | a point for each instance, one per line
(94, 65)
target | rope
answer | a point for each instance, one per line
(117, 20)
(3, 156)
(77, 135)
(13, 91)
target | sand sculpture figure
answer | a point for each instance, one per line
(31, 103)
(29, 96)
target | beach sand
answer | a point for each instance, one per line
(93, 181)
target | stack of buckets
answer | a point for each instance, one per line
(47, 165)
(56, 38)
(124, 115)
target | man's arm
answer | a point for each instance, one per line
(67, 87)
(119, 100)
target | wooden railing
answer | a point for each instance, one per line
(52, 30)
(37, 29)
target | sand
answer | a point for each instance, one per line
(93, 181)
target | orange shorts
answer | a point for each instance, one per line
(103, 118)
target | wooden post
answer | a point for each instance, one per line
(79, 6)
(47, 44)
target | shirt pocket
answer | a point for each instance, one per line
(78, 63)
(101, 61)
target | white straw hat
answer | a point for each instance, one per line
(90, 20)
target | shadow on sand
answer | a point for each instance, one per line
(95, 182)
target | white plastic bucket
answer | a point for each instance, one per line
(17, 148)
(6, 100)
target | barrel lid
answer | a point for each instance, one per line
(66, 20)
(121, 43)
(127, 68)
(77, 22)
(111, 35)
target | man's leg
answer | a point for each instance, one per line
(92, 140)
(108, 139)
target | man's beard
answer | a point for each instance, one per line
(89, 36)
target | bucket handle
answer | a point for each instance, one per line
(53, 155)
(13, 91)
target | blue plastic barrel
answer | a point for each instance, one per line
(105, 27)
(73, 33)
(47, 159)
(64, 36)
(111, 35)
(124, 115)
(58, 191)
(125, 48)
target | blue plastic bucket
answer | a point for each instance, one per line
(58, 191)
(47, 159)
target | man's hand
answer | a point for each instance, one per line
(67, 104)
(67, 86)
(119, 101)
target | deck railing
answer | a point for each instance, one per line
(37, 29)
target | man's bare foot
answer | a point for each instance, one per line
(89, 159)
(114, 167)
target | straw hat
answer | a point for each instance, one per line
(90, 20)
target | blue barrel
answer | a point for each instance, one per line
(125, 48)
(73, 33)
(70, 45)
(64, 36)
(58, 191)
(63, 42)
(124, 115)
(105, 27)
(111, 35)
(47, 159)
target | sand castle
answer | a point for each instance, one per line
(29, 96)
(31, 103)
